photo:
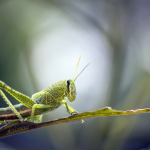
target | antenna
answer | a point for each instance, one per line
(81, 71)
(76, 68)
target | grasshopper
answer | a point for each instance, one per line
(42, 102)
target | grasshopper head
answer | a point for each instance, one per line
(71, 90)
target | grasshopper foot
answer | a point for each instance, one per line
(25, 119)
(74, 113)
(21, 121)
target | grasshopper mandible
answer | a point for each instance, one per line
(42, 102)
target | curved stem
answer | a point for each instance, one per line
(16, 126)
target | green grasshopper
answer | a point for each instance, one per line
(42, 102)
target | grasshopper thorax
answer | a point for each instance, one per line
(70, 90)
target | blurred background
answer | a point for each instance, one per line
(40, 44)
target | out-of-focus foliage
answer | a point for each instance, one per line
(40, 43)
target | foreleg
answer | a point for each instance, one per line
(70, 110)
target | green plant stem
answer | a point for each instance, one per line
(17, 126)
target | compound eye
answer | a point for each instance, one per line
(68, 84)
